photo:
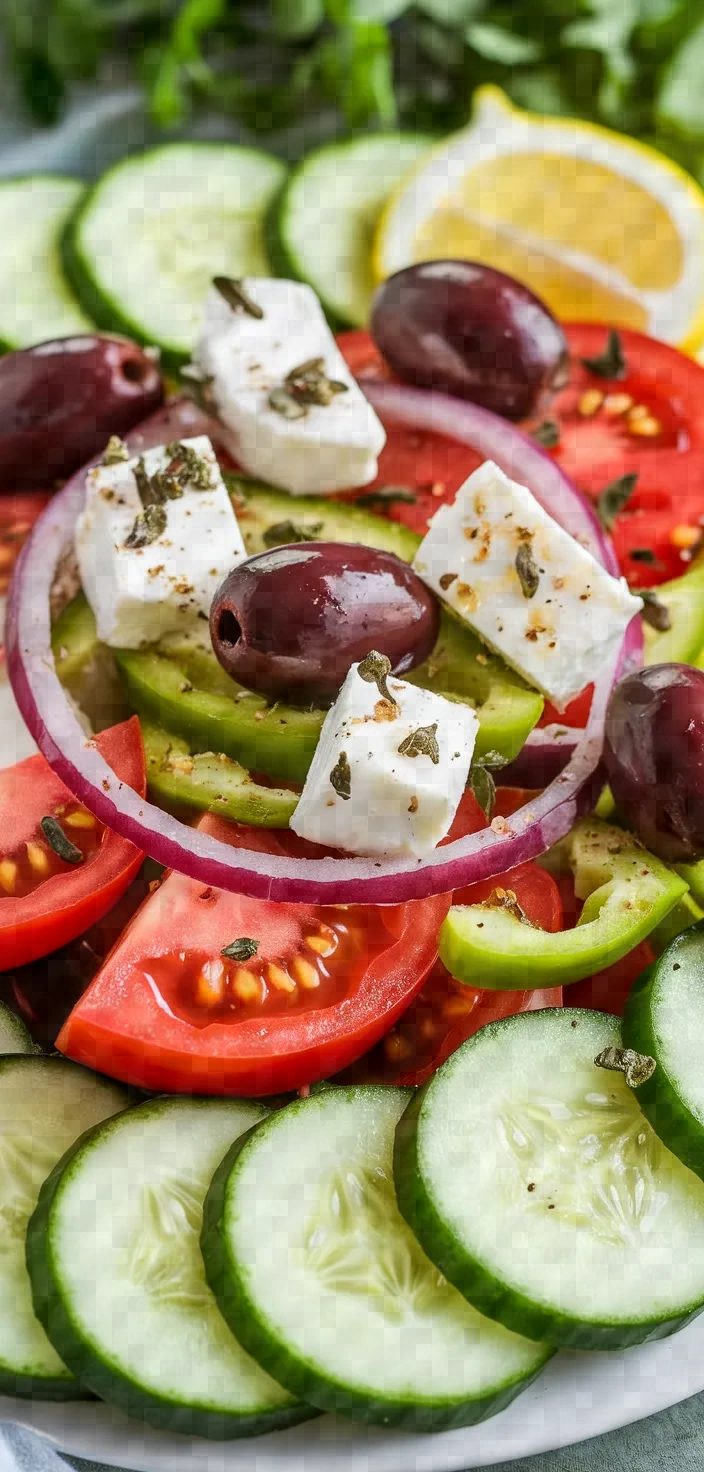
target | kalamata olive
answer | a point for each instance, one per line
(468, 330)
(290, 622)
(60, 401)
(654, 756)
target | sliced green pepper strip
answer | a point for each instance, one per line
(265, 738)
(683, 598)
(210, 782)
(627, 893)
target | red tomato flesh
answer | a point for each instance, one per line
(446, 1012)
(167, 1011)
(44, 900)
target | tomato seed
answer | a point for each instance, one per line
(38, 858)
(79, 819)
(8, 875)
(279, 979)
(685, 537)
(590, 402)
(305, 974)
(247, 986)
(617, 404)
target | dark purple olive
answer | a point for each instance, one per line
(290, 622)
(654, 757)
(60, 401)
(468, 330)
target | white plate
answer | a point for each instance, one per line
(578, 1396)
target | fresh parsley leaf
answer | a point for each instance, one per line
(680, 101)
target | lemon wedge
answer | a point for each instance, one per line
(603, 228)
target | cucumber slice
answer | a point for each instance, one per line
(36, 302)
(534, 1182)
(664, 1017)
(184, 212)
(683, 642)
(14, 1037)
(325, 1286)
(45, 1103)
(120, 1288)
(321, 226)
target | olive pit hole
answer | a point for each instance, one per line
(133, 370)
(229, 631)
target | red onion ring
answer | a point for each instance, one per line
(51, 720)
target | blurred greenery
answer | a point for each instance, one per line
(636, 65)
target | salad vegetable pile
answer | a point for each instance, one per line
(330, 643)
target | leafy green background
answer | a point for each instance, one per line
(636, 65)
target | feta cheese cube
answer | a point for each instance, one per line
(525, 586)
(387, 778)
(140, 593)
(330, 447)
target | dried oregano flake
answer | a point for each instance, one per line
(636, 1067)
(282, 533)
(241, 949)
(341, 777)
(375, 668)
(59, 842)
(422, 742)
(148, 526)
(612, 362)
(232, 291)
(527, 569)
(115, 452)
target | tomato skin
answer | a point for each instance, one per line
(18, 514)
(68, 903)
(597, 449)
(594, 448)
(120, 1026)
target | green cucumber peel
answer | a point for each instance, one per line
(210, 782)
(664, 1016)
(627, 892)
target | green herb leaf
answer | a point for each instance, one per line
(386, 496)
(483, 786)
(148, 526)
(233, 292)
(241, 949)
(59, 842)
(422, 742)
(341, 777)
(680, 101)
(503, 46)
(643, 554)
(284, 532)
(375, 668)
(115, 452)
(547, 434)
(613, 499)
(611, 363)
(654, 613)
(527, 569)
(637, 1067)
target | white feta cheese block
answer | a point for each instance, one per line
(367, 795)
(332, 446)
(560, 622)
(139, 594)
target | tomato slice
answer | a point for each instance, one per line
(46, 899)
(17, 517)
(429, 466)
(650, 423)
(446, 1012)
(168, 1010)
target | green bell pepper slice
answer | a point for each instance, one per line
(627, 892)
(210, 782)
(683, 642)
